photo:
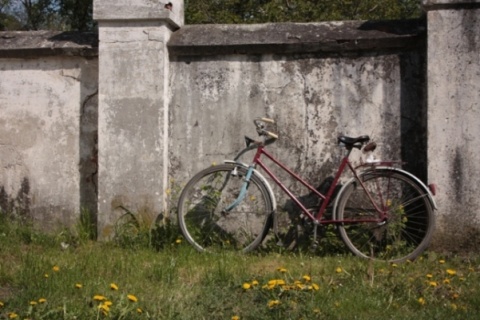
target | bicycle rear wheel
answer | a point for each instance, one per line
(200, 210)
(410, 218)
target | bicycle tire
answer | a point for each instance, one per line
(200, 206)
(410, 218)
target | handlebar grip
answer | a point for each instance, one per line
(267, 120)
(271, 134)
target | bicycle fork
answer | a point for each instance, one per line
(243, 190)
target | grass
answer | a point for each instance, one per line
(42, 278)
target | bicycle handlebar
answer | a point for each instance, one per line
(260, 124)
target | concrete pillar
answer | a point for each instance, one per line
(133, 106)
(454, 117)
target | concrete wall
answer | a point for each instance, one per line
(316, 80)
(173, 99)
(48, 127)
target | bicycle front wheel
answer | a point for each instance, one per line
(409, 223)
(203, 220)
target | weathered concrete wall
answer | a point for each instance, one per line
(454, 118)
(48, 127)
(172, 102)
(349, 78)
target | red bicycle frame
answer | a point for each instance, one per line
(325, 197)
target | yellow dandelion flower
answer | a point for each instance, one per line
(178, 241)
(56, 268)
(246, 286)
(441, 261)
(132, 298)
(338, 270)
(282, 270)
(12, 315)
(108, 303)
(273, 303)
(104, 307)
(315, 287)
(1, 304)
(139, 310)
(307, 278)
(33, 303)
(394, 265)
(235, 318)
(429, 276)
(433, 283)
(422, 301)
(254, 283)
(451, 272)
(99, 297)
(42, 300)
(446, 281)
(300, 286)
(46, 275)
(316, 310)
(113, 286)
(276, 282)
(453, 306)
(78, 285)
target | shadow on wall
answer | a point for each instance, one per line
(81, 38)
(18, 206)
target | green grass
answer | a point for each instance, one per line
(41, 280)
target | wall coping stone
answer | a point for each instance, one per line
(290, 38)
(31, 44)
(450, 4)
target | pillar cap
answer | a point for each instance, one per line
(450, 4)
(170, 11)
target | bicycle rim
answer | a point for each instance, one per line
(410, 221)
(201, 204)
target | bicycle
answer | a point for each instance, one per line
(382, 212)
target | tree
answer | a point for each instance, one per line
(62, 15)
(77, 14)
(39, 14)
(260, 11)
(67, 15)
(7, 20)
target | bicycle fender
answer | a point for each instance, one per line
(262, 178)
(339, 196)
(400, 171)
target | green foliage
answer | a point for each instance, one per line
(68, 15)
(262, 11)
(63, 15)
(77, 14)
